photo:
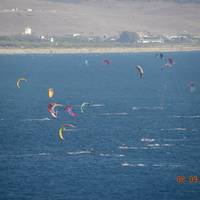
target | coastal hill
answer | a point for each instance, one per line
(99, 18)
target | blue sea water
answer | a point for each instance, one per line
(132, 142)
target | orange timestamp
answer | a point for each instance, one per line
(190, 179)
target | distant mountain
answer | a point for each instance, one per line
(64, 1)
(99, 18)
(188, 1)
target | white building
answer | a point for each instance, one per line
(52, 39)
(28, 31)
(76, 35)
(113, 39)
(90, 39)
(14, 9)
(175, 37)
(151, 40)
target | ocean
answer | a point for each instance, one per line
(138, 139)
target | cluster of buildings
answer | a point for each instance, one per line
(17, 10)
(28, 31)
(144, 37)
(148, 38)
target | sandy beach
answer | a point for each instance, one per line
(95, 50)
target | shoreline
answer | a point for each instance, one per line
(99, 50)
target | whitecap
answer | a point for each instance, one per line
(121, 113)
(195, 130)
(78, 152)
(140, 165)
(135, 108)
(126, 164)
(119, 155)
(71, 130)
(167, 145)
(178, 129)
(158, 108)
(43, 154)
(104, 154)
(40, 119)
(126, 147)
(174, 129)
(97, 105)
(148, 108)
(168, 165)
(27, 155)
(159, 145)
(158, 165)
(154, 145)
(174, 140)
(108, 155)
(176, 165)
(147, 140)
(131, 148)
(185, 116)
(143, 147)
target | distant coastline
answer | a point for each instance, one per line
(96, 50)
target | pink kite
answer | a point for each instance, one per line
(70, 111)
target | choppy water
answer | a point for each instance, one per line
(137, 136)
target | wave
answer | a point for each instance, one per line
(71, 130)
(126, 147)
(147, 140)
(160, 145)
(154, 145)
(1, 119)
(97, 105)
(174, 140)
(168, 165)
(25, 155)
(105, 154)
(40, 119)
(167, 145)
(195, 130)
(148, 108)
(79, 152)
(174, 129)
(109, 155)
(148, 146)
(185, 116)
(126, 164)
(122, 113)
(91, 105)
(129, 148)
(43, 154)
(119, 155)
